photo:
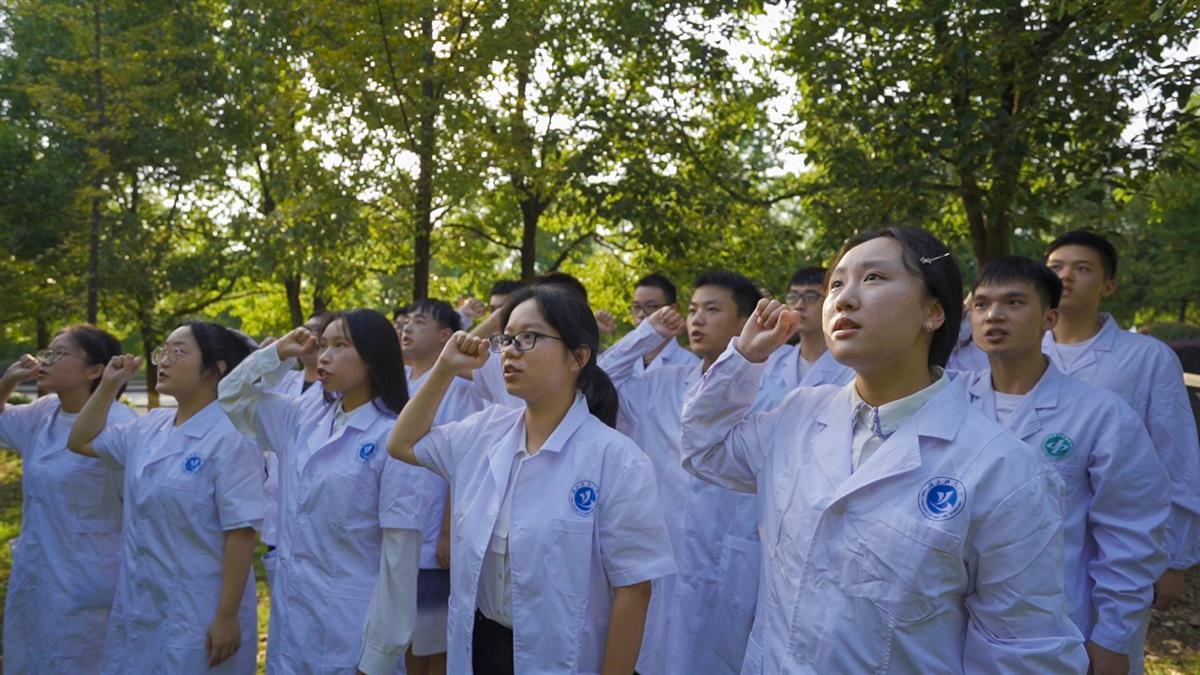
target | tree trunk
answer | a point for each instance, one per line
(426, 146)
(292, 286)
(1183, 308)
(530, 214)
(320, 298)
(150, 341)
(93, 282)
(43, 341)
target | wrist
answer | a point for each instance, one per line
(226, 615)
(749, 354)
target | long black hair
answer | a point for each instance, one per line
(375, 340)
(99, 346)
(218, 344)
(568, 313)
(929, 260)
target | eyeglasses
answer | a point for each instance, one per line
(165, 356)
(809, 297)
(524, 341)
(644, 310)
(50, 358)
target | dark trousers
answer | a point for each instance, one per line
(491, 647)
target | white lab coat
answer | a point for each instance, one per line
(339, 494)
(64, 564)
(291, 384)
(785, 368)
(184, 487)
(943, 553)
(1148, 376)
(488, 383)
(699, 618)
(671, 355)
(565, 559)
(1116, 505)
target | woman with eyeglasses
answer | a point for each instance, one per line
(557, 526)
(185, 600)
(351, 522)
(64, 564)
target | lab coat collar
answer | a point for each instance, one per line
(1102, 342)
(203, 421)
(513, 443)
(1025, 420)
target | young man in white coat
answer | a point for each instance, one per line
(1143, 371)
(651, 293)
(1117, 497)
(699, 619)
(809, 362)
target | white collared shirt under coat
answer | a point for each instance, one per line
(1116, 505)
(64, 563)
(565, 560)
(339, 492)
(184, 487)
(700, 618)
(942, 553)
(1146, 373)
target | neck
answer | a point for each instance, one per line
(653, 354)
(310, 373)
(420, 366)
(894, 380)
(352, 399)
(1076, 325)
(1017, 373)
(72, 400)
(193, 403)
(812, 346)
(543, 416)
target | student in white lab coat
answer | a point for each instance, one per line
(558, 529)
(430, 325)
(64, 564)
(808, 363)
(185, 599)
(351, 521)
(903, 532)
(700, 618)
(1118, 495)
(1089, 346)
(649, 294)
(299, 381)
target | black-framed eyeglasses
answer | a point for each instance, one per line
(644, 310)
(524, 341)
(809, 297)
(51, 357)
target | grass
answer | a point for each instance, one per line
(1172, 647)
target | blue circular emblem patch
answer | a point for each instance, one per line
(192, 463)
(584, 497)
(1057, 446)
(366, 450)
(942, 498)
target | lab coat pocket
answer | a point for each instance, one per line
(93, 582)
(355, 498)
(93, 502)
(568, 562)
(342, 623)
(907, 566)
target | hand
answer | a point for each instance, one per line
(120, 370)
(25, 369)
(1105, 661)
(667, 322)
(1169, 589)
(442, 552)
(472, 308)
(297, 343)
(224, 639)
(462, 353)
(767, 329)
(605, 321)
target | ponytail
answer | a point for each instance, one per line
(600, 393)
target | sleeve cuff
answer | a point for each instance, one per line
(376, 662)
(647, 572)
(1112, 641)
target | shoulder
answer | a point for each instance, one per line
(1144, 348)
(611, 446)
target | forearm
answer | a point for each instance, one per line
(235, 570)
(91, 420)
(8, 385)
(416, 419)
(626, 623)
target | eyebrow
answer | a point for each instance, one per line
(866, 263)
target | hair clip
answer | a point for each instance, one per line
(926, 261)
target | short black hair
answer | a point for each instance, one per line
(438, 310)
(808, 276)
(929, 260)
(1015, 268)
(661, 283)
(1096, 242)
(745, 293)
(563, 279)
(506, 286)
(400, 311)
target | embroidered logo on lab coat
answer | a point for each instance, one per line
(1058, 446)
(584, 496)
(366, 450)
(192, 464)
(942, 498)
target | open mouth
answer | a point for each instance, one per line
(843, 328)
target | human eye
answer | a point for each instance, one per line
(835, 283)
(872, 276)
